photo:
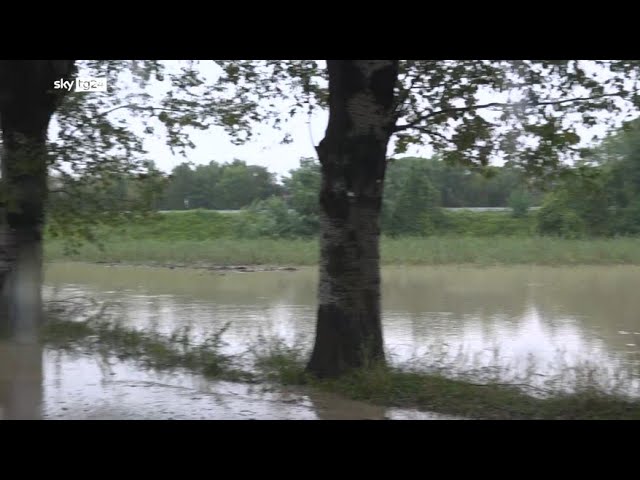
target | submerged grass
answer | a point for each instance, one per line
(436, 392)
(275, 362)
(394, 387)
(150, 349)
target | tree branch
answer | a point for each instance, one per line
(417, 121)
(427, 131)
(404, 95)
(60, 190)
(435, 134)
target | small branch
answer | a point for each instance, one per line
(526, 385)
(59, 190)
(427, 131)
(135, 107)
(435, 134)
(405, 95)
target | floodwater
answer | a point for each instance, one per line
(542, 326)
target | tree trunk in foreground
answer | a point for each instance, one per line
(27, 103)
(353, 159)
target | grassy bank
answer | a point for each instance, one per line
(393, 387)
(204, 225)
(482, 251)
(213, 238)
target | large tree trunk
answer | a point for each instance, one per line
(353, 159)
(27, 103)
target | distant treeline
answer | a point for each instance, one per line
(598, 197)
(237, 185)
(415, 189)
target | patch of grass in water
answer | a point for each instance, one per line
(150, 349)
(277, 362)
(393, 387)
(396, 387)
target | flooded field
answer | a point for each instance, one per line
(548, 325)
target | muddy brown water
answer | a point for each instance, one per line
(549, 326)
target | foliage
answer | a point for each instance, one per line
(303, 189)
(410, 198)
(273, 218)
(229, 186)
(519, 201)
(530, 121)
(597, 197)
(556, 217)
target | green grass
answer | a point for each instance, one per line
(482, 251)
(222, 251)
(475, 238)
(203, 225)
(486, 224)
(276, 363)
(394, 387)
(194, 225)
(407, 388)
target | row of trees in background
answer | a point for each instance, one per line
(597, 197)
(237, 185)
(413, 186)
(216, 186)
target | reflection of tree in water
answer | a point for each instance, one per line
(21, 381)
(333, 407)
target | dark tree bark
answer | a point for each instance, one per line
(27, 103)
(353, 159)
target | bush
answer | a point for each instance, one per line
(558, 219)
(433, 221)
(483, 224)
(519, 201)
(626, 220)
(273, 218)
